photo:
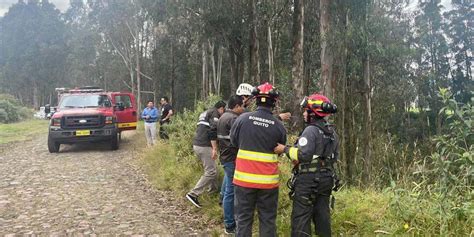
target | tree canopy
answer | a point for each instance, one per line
(382, 63)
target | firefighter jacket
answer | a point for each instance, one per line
(227, 151)
(317, 143)
(256, 134)
(206, 128)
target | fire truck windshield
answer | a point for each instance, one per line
(84, 101)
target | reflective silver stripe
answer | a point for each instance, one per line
(315, 157)
(204, 123)
(223, 137)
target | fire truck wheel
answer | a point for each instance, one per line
(53, 146)
(114, 143)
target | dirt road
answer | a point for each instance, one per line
(85, 189)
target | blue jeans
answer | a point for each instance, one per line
(228, 202)
(221, 193)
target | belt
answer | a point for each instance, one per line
(150, 121)
(313, 167)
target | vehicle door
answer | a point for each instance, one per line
(126, 118)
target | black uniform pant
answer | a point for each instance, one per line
(245, 202)
(311, 203)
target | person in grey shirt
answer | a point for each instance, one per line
(205, 146)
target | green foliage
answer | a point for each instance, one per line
(183, 127)
(442, 188)
(11, 111)
(414, 209)
(33, 52)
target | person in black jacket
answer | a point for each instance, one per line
(205, 146)
(228, 153)
(256, 175)
(314, 155)
(166, 113)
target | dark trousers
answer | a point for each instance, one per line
(311, 203)
(245, 202)
(163, 133)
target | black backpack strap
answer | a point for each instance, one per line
(329, 146)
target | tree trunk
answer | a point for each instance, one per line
(35, 95)
(219, 70)
(213, 65)
(139, 97)
(350, 142)
(132, 81)
(241, 65)
(254, 45)
(154, 91)
(297, 69)
(233, 70)
(367, 143)
(344, 106)
(173, 75)
(271, 73)
(204, 71)
(196, 82)
(105, 81)
(326, 84)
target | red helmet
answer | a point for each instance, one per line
(265, 91)
(319, 104)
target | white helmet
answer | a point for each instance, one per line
(244, 89)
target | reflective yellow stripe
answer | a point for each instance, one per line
(126, 125)
(256, 178)
(293, 153)
(318, 102)
(257, 156)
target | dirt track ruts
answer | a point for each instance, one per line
(84, 189)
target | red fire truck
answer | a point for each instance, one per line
(90, 114)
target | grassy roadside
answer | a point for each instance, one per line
(361, 211)
(22, 131)
(357, 212)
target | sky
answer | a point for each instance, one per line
(64, 4)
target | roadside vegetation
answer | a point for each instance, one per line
(432, 196)
(12, 111)
(16, 121)
(22, 131)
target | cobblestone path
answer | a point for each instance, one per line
(85, 189)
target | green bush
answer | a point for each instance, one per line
(10, 98)
(441, 198)
(25, 113)
(3, 116)
(11, 111)
(183, 127)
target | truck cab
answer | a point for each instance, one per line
(90, 114)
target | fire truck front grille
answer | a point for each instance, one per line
(89, 121)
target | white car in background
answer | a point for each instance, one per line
(40, 114)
